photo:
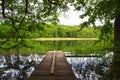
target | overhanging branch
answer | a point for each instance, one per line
(8, 17)
(3, 11)
(26, 11)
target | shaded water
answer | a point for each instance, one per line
(90, 68)
(17, 67)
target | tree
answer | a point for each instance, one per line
(23, 15)
(105, 11)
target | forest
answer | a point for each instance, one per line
(30, 45)
(22, 22)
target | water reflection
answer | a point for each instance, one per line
(90, 68)
(17, 67)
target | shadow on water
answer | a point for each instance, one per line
(17, 67)
(90, 68)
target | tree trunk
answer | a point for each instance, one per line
(114, 71)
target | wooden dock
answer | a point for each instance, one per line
(54, 66)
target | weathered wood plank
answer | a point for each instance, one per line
(54, 66)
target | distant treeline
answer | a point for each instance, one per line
(49, 31)
(52, 31)
(9, 42)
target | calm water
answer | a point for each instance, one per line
(18, 67)
(90, 68)
(85, 68)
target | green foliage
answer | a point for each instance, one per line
(4, 31)
(27, 45)
(26, 19)
(97, 9)
(23, 16)
(60, 31)
(105, 11)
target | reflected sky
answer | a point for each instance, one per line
(90, 68)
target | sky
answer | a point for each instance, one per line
(71, 17)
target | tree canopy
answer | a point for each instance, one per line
(105, 11)
(102, 10)
(22, 15)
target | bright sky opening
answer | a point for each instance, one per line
(71, 17)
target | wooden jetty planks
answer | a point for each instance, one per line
(54, 66)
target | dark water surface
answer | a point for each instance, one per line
(90, 68)
(17, 67)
